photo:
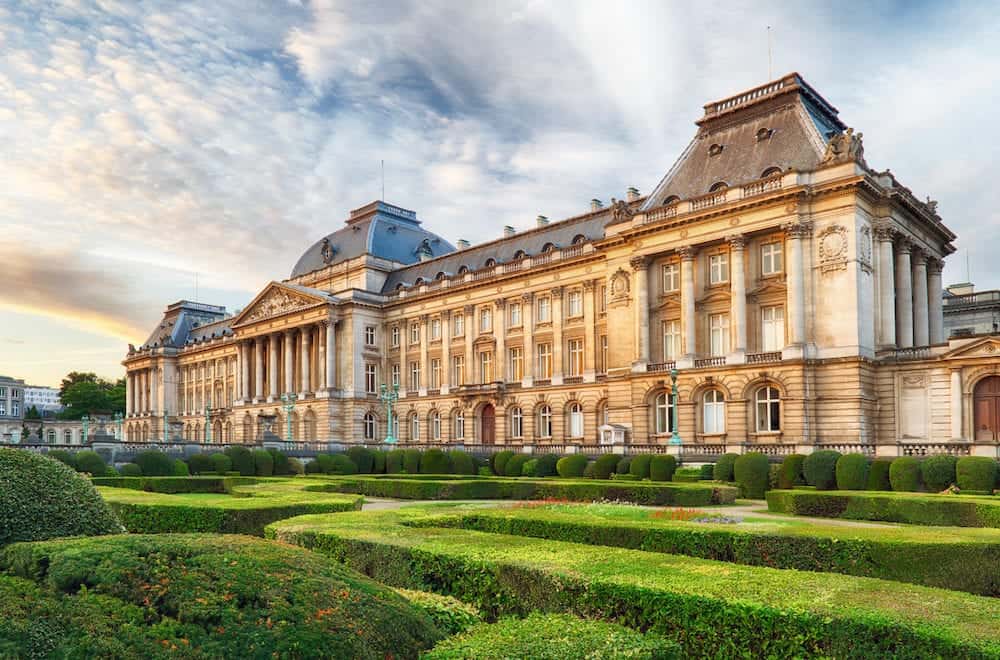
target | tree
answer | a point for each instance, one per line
(32, 413)
(85, 394)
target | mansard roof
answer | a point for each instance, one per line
(379, 229)
(186, 319)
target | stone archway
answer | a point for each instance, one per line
(986, 409)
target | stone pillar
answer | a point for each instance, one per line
(424, 341)
(305, 335)
(289, 338)
(247, 371)
(272, 367)
(640, 265)
(128, 394)
(153, 390)
(470, 325)
(258, 392)
(445, 354)
(589, 341)
(527, 335)
(796, 285)
(738, 294)
(500, 332)
(557, 336)
(904, 296)
(404, 341)
(687, 254)
(935, 310)
(921, 325)
(143, 398)
(886, 288)
(956, 403)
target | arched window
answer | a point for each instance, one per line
(67, 437)
(715, 149)
(575, 415)
(462, 270)
(548, 247)
(768, 409)
(520, 254)
(579, 239)
(602, 413)
(490, 263)
(459, 425)
(718, 186)
(419, 281)
(673, 199)
(370, 426)
(440, 276)
(771, 171)
(435, 419)
(414, 428)
(764, 133)
(52, 437)
(663, 413)
(516, 422)
(713, 409)
(543, 422)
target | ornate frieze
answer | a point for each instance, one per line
(277, 302)
(865, 248)
(833, 249)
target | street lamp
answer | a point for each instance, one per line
(208, 426)
(118, 417)
(288, 405)
(389, 397)
(86, 422)
(675, 437)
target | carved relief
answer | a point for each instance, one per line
(620, 210)
(277, 302)
(638, 262)
(844, 147)
(865, 248)
(912, 380)
(833, 249)
(327, 251)
(618, 287)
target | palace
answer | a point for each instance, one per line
(793, 291)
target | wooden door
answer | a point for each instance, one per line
(986, 409)
(488, 417)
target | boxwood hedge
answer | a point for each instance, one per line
(209, 484)
(820, 469)
(904, 474)
(750, 471)
(976, 473)
(878, 474)
(912, 508)
(852, 472)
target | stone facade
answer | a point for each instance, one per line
(796, 292)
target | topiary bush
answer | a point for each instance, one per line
(295, 466)
(750, 471)
(314, 466)
(435, 461)
(588, 472)
(263, 463)
(449, 614)
(938, 472)
(571, 466)
(904, 474)
(976, 473)
(180, 468)
(154, 463)
(723, 470)
(605, 466)
(394, 461)
(639, 467)
(221, 463)
(546, 465)
(379, 457)
(411, 461)
(63, 456)
(41, 498)
(623, 465)
(198, 463)
(130, 470)
(515, 465)
(662, 467)
(529, 468)
(498, 462)
(852, 472)
(820, 469)
(242, 460)
(790, 472)
(90, 462)
(363, 457)
(707, 471)
(280, 462)
(461, 462)
(878, 474)
(340, 464)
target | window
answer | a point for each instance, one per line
(516, 362)
(459, 425)
(574, 304)
(602, 300)
(486, 367)
(3, 392)
(713, 413)
(543, 422)
(516, 422)
(435, 328)
(544, 309)
(3, 407)
(68, 437)
(52, 436)
(15, 408)
(485, 320)
(603, 418)
(719, 334)
(575, 420)
(371, 379)
(435, 425)
(604, 354)
(369, 335)
(414, 376)
(768, 410)
(515, 315)
(458, 370)
(458, 325)
(370, 426)
(663, 413)
(414, 333)
(15, 394)
(395, 375)
(435, 373)
(544, 369)
(718, 268)
(772, 328)
(575, 350)
(414, 428)
(671, 332)
(719, 186)
(770, 258)
(671, 278)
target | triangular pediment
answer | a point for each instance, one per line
(773, 286)
(277, 299)
(714, 295)
(669, 300)
(981, 347)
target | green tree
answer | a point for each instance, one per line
(32, 413)
(85, 394)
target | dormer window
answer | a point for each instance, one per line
(440, 276)
(718, 186)
(520, 254)
(579, 239)
(548, 247)
(490, 263)
(771, 171)
(715, 150)
(673, 199)
(462, 270)
(419, 281)
(764, 134)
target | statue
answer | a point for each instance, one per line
(326, 251)
(932, 205)
(844, 147)
(620, 210)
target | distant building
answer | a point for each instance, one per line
(11, 407)
(968, 313)
(44, 399)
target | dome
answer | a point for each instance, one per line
(379, 229)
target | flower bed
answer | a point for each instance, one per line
(912, 508)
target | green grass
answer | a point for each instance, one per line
(911, 508)
(712, 608)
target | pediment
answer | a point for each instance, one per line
(770, 287)
(714, 296)
(668, 300)
(982, 347)
(277, 299)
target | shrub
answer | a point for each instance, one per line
(363, 457)
(485, 471)
(221, 463)
(263, 463)
(63, 456)
(242, 460)
(723, 470)
(790, 474)
(773, 471)
(449, 614)
(41, 498)
(707, 471)
(295, 466)
(515, 465)
(938, 472)
(639, 467)
(130, 470)
(686, 475)
(605, 465)
(180, 468)
(154, 463)
(411, 461)
(820, 469)
(279, 461)
(625, 477)
(750, 472)
(198, 463)
(852, 472)
(498, 462)
(90, 462)
(379, 465)
(461, 462)
(624, 465)
(589, 471)
(662, 467)
(976, 473)
(904, 474)
(530, 468)
(394, 461)
(339, 464)
(435, 461)
(546, 465)
(314, 466)
(878, 474)
(571, 466)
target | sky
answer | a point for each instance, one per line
(164, 150)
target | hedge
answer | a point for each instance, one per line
(41, 498)
(498, 461)
(723, 469)
(707, 471)
(687, 475)
(90, 461)
(461, 462)
(411, 460)
(242, 460)
(623, 465)
(662, 468)
(878, 474)
(378, 461)
(916, 509)
(790, 474)
(553, 637)
(154, 463)
(904, 474)
(605, 466)
(571, 466)
(938, 472)
(449, 614)
(434, 461)
(394, 461)
(852, 472)
(712, 609)
(132, 596)
(221, 463)
(976, 473)
(175, 484)
(639, 467)
(546, 465)
(820, 469)
(63, 456)
(181, 468)
(363, 458)
(750, 471)
(515, 466)
(198, 463)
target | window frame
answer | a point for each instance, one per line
(670, 333)
(543, 353)
(515, 360)
(663, 413)
(772, 330)
(769, 253)
(574, 414)
(370, 426)
(574, 304)
(370, 336)
(514, 315)
(713, 413)
(575, 353)
(371, 378)
(670, 277)
(718, 268)
(718, 331)
(544, 303)
(516, 422)
(543, 421)
(770, 420)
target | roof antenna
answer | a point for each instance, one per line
(770, 75)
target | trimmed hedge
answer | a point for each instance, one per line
(852, 472)
(221, 463)
(242, 460)
(707, 471)
(639, 467)
(461, 462)
(263, 463)
(449, 614)
(904, 474)
(546, 465)
(41, 498)
(130, 470)
(411, 461)
(751, 473)
(605, 466)
(498, 462)
(63, 456)
(90, 462)
(173, 485)
(790, 475)
(878, 474)
(820, 469)
(723, 469)
(198, 463)
(662, 468)
(154, 463)
(279, 463)
(515, 466)
(624, 465)
(394, 461)
(687, 475)
(976, 473)
(571, 466)
(915, 509)
(938, 472)
(363, 458)
(434, 461)
(379, 461)
(181, 468)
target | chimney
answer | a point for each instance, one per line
(508, 231)
(541, 221)
(596, 204)
(462, 244)
(632, 194)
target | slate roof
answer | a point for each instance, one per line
(185, 320)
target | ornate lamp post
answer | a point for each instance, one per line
(208, 426)
(166, 428)
(86, 425)
(675, 438)
(389, 397)
(118, 417)
(288, 405)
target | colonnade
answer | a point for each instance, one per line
(141, 390)
(258, 376)
(910, 293)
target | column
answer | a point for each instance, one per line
(404, 368)
(527, 334)
(687, 301)
(424, 338)
(557, 336)
(225, 385)
(500, 332)
(289, 362)
(239, 373)
(272, 368)
(904, 295)
(445, 351)
(921, 326)
(640, 265)
(589, 341)
(738, 293)
(470, 325)
(796, 290)
(956, 403)
(247, 371)
(935, 311)
(143, 399)
(128, 394)
(153, 390)
(331, 355)
(258, 392)
(305, 339)
(886, 287)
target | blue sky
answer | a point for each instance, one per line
(147, 143)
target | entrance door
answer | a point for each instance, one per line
(986, 403)
(488, 417)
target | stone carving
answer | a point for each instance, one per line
(913, 380)
(277, 302)
(798, 228)
(687, 252)
(620, 211)
(833, 249)
(865, 248)
(932, 205)
(638, 262)
(619, 286)
(844, 147)
(737, 241)
(327, 251)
